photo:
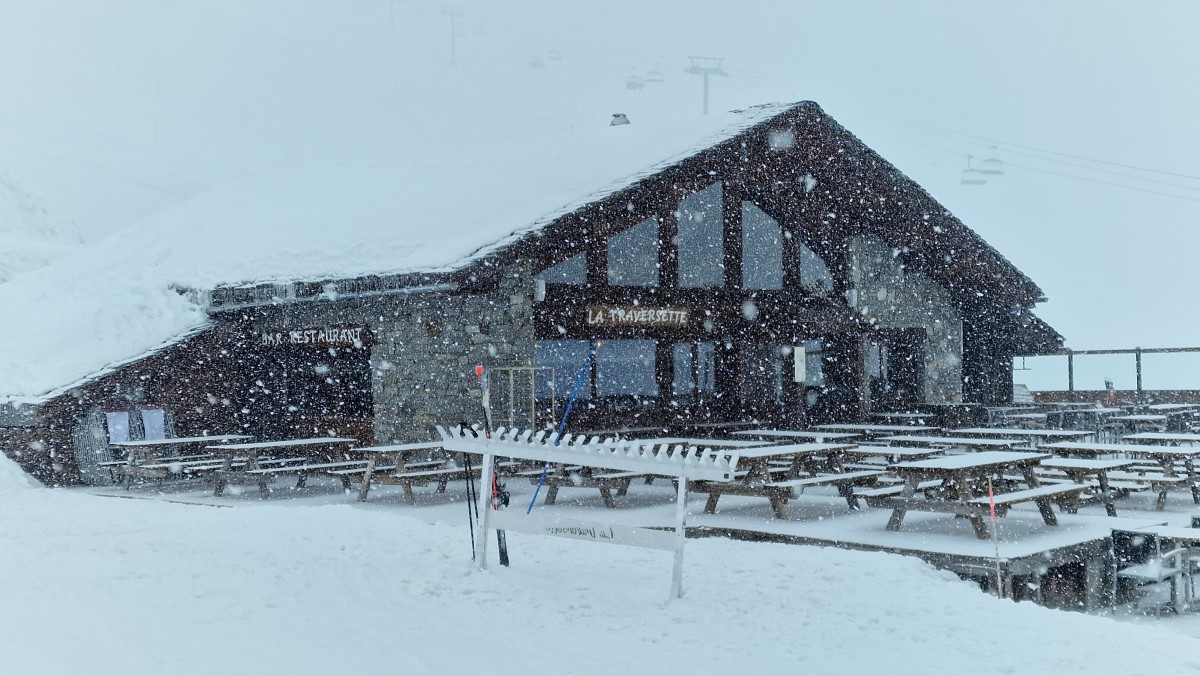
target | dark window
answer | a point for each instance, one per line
(700, 243)
(567, 358)
(761, 367)
(626, 367)
(571, 271)
(814, 363)
(633, 255)
(762, 249)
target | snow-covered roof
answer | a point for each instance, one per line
(431, 201)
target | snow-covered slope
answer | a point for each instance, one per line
(29, 239)
(129, 587)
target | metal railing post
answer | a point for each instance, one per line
(1070, 371)
(1137, 356)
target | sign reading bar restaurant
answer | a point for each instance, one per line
(331, 336)
(637, 315)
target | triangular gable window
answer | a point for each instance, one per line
(571, 271)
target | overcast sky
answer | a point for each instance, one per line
(112, 111)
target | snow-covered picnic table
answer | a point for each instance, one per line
(872, 431)
(1034, 437)
(780, 472)
(811, 435)
(159, 458)
(963, 489)
(1175, 438)
(394, 464)
(965, 443)
(291, 456)
(1085, 470)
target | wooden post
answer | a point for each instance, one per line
(1070, 371)
(680, 537)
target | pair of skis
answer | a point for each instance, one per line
(499, 496)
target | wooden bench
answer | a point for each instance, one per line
(845, 482)
(779, 492)
(422, 477)
(575, 478)
(1062, 493)
(1156, 481)
(350, 475)
(872, 495)
(265, 475)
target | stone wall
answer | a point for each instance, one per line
(893, 298)
(426, 346)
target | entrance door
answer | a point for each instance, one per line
(896, 369)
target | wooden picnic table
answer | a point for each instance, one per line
(387, 465)
(254, 472)
(1034, 437)
(1167, 456)
(964, 487)
(811, 435)
(905, 418)
(777, 473)
(873, 431)
(143, 456)
(1082, 470)
(967, 443)
(1142, 422)
(1176, 438)
(1089, 449)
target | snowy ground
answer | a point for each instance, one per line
(323, 585)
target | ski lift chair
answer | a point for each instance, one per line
(991, 165)
(973, 176)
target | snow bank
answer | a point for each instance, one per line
(150, 587)
(13, 479)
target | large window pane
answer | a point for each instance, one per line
(571, 271)
(700, 243)
(567, 358)
(633, 255)
(813, 271)
(682, 381)
(626, 367)
(762, 249)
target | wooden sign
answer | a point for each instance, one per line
(637, 315)
(325, 336)
(583, 530)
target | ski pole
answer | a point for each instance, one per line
(570, 403)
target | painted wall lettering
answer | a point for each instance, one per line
(329, 335)
(637, 315)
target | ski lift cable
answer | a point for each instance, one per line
(1056, 173)
(984, 140)
(957, 136)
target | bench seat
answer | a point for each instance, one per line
(1059, 492)
(888, 491)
